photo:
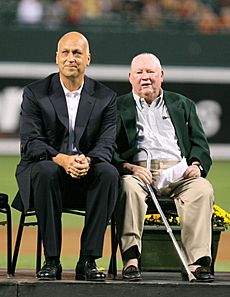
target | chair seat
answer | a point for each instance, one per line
(3, 200)
(167, 204)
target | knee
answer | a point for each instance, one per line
(132, 189)
(203, 191)
(106, 172)
(45, 170)
(206, 188)
(130, 184)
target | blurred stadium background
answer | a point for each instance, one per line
(191, 37)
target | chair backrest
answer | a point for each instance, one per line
(5, 209)
(3, 200)
(167, 204)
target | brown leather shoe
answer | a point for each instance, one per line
(131, 273)
(202, 274)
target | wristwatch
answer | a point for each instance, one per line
(199, 166)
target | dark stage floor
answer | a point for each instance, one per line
(169, 284)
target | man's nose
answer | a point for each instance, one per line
(145, 75)
(71, 57)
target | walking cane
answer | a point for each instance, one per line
(191, 277)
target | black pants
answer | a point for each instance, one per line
(53, 189)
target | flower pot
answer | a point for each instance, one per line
(158, 251)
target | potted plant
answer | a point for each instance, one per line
(159, 253)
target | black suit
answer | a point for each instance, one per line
(44, 132)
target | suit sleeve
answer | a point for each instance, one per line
(32, 131)
(199, 145)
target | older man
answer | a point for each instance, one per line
(167, 126)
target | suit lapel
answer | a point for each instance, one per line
(85, 107)
(129, 117)
(86, 104)
(58, 100)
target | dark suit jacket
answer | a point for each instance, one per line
(44, 126)
(191, 137)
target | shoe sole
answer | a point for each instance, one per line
(185, 278)
(82, 277)
(48, 278)
(134, 279)
(58, 277)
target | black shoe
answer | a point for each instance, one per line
(202, 274)
(89, 271)
(50, 271)
(131, 273)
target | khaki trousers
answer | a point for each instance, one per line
(194, 202)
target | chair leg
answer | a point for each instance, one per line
(5, 208)
(17, 243)
(114, 243)
(39, 251)
(9, 240)
(212, 266)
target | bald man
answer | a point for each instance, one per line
(67, 133)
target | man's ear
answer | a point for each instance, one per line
(130, 79)
(56, 59)
(162, 75)
(89, 59)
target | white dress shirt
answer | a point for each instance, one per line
(155, 131)
(72, 101)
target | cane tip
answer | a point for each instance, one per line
(192, 278)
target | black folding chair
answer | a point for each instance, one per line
(5, 209)
(23, 223)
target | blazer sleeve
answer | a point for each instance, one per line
(190, 133)
(199, 145)
(34, 146)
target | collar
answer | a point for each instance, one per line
(67, 92)
(141, 103)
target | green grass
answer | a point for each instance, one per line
(7, 175)
(218, 176)
(8, 185)
(222, 266)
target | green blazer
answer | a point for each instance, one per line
(190, 134)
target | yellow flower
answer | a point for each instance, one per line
(221, 218)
